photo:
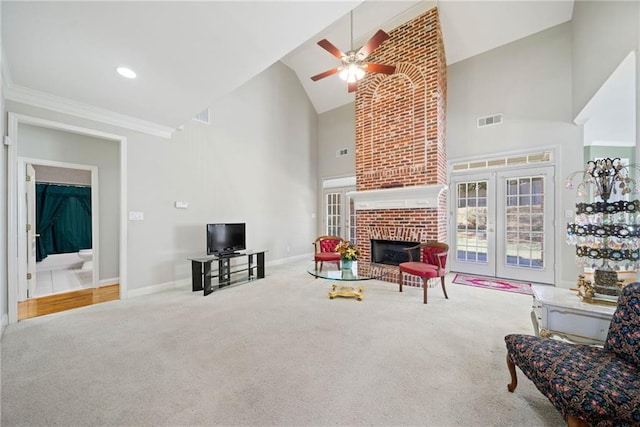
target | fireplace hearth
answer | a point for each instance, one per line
(392, 252)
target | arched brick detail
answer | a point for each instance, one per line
(400, 132)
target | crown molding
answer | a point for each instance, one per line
(47, 101)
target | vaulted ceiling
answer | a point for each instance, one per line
(188, 54)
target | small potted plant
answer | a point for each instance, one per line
(348, 253)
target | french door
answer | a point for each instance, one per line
(339, 213)
(504, 224)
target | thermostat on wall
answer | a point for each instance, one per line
(181, 205)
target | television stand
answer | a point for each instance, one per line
(201, 273)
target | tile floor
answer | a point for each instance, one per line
(57, 281)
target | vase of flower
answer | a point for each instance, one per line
(346, 264)
(348, 253)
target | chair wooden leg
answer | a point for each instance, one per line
(400, 283)
(573, 421)
(512, 370)
(443, 288)
(425, 287)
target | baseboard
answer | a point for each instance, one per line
(186, 282)
(288, 260)
(5, 322)
(111, 281)
(162, 287)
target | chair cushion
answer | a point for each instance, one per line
(329, 245)
(327, 256)
(419, 269)
(430, 256)
(583, 381)
(624, 333)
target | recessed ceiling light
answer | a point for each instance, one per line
(126, 72)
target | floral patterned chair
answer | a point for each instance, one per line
(588, 385)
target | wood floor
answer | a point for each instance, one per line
(66, 301)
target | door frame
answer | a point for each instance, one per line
(343, 185)
(13, 254)
(543, 156)
(95, 218)
(488, 268)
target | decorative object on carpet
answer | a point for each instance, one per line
(492, 283)
(604, 230)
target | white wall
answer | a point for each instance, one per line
(604, 32)
(3, 202)
(255, 163)
(37, 142)
(337, 130)
(529, 81)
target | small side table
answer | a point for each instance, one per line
(559, 312)
(364, 271)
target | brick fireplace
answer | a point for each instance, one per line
(401, 169)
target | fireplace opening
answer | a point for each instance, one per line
(392, 252)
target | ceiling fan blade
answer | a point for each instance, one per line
(373, 43)
(324, 74)
(353, 86)
(380, 68)
(329, 47)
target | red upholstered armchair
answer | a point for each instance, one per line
(325, 250)
(432, 264)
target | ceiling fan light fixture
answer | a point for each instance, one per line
(352, 72)
(353, 66)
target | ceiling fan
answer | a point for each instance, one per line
(354, 66)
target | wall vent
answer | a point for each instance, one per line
(342, 152)
(203, 116)
(494, 119)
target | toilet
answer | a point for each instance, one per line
(87, 257)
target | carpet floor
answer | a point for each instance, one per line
(493, 283)
(275, 351)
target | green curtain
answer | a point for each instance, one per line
(63, 219)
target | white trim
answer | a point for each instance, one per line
(598, 143)
(345, 181)
(288, 260)
(14, 119)
(416, 197)
(5, 322)
(186, 283)
(110, 281)
(7, 82)
(162, 287)
(35, 98)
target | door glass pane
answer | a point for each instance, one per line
(524, 222)
(352, 222)
(334, 204)
(471, 219)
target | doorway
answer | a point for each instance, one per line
(61, 226)
(339, 216)
(19, 127)
(504, 224)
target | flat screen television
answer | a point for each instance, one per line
(225, 239)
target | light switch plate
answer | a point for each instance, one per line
(136, 216)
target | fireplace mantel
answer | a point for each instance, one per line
(414, 197)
